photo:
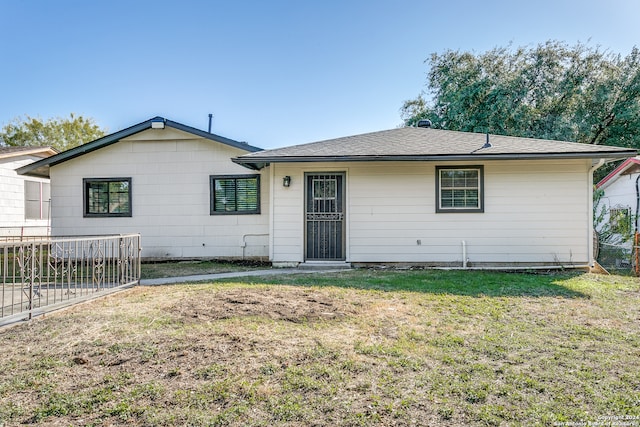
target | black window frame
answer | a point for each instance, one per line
(86, 182)
(212, 194)
(479, 208)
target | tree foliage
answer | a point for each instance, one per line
(551, 91)
(60, 133)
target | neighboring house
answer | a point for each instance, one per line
(433, 197)
(621, 197)
(174, 184)
(407, 195)
(24, 201)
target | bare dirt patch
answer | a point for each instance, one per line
(293, 305)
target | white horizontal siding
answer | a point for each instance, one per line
(535, 212)
(170, 196)
(12, 197)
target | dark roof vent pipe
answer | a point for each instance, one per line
(424, 123)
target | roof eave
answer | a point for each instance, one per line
(258, 163)
(43, 165)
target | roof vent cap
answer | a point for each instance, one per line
(424, 123)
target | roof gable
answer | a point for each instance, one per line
(410, 143)
(629, 166)
(41, 168)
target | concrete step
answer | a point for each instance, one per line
(324, 265)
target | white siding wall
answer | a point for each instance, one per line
(12, 206)
(621, 193)
(535, 212)
(170, 173)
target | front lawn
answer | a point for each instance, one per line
(361, 347)
(155, 270)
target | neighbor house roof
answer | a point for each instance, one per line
(8, 152)
(41, 168)
(629, 166)
(410, 143)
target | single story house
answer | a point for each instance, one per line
(621, 196)
(24, 201)
(406, 195)
(433, 197)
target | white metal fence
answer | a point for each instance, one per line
(45, 274)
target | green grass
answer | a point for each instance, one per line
(356, 348)
(155, 270)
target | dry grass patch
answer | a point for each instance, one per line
(352, 348)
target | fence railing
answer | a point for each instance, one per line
(42, 275)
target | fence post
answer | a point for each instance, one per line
(636, 248)
(32, 269)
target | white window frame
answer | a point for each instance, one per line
(479, 187)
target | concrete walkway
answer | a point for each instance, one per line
(248, 273)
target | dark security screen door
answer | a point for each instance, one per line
(324, 217)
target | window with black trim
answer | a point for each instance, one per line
(106, 197)
(459, 189)
(235, 194)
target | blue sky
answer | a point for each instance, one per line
(273, 73)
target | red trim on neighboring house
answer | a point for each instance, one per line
(617, 171)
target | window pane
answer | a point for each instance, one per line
(32, 203)
(46, 199)
(247, 194)
(459, 188)
(235, 194)
(98, 197)
(447, 198)
(118, 197)
(225, 195)
(106, 197)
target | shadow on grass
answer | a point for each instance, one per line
(452, 282)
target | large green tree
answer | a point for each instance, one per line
(60, 133)
(551, 91)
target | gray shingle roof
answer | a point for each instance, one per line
(411, 143)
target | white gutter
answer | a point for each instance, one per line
(590, 234)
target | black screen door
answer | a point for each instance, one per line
(324, 217)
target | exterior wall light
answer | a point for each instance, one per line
(286, 181)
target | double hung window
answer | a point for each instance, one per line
(459, 189)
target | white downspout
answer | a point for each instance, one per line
(272, 191)
(464, 255)
(590, 212)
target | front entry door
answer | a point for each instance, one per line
(324, 217)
